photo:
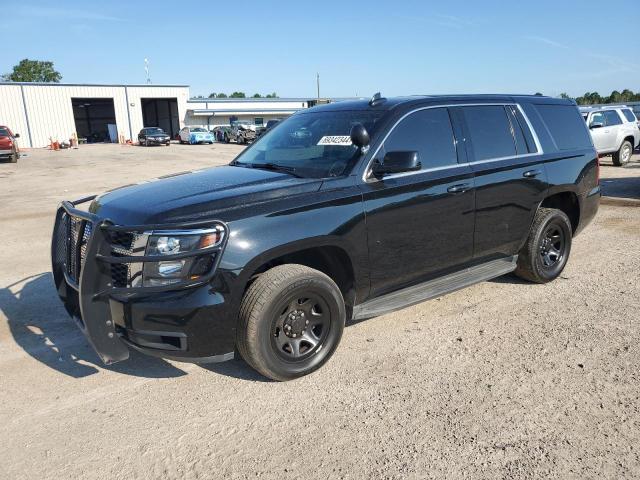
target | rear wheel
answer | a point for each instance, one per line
(291, 321)
(623, 156)
(547, 249)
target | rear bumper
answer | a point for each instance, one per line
(190, 322)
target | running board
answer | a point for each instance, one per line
(434, 288)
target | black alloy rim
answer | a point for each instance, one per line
(552, 246)
(301, 328)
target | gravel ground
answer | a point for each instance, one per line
(502, 380)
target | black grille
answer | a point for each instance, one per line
(122, 240)
(122, 244)
(71, 244)
(120, 275)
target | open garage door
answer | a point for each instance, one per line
(161, 112)
(92, 117)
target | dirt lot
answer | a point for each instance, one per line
(501, 380)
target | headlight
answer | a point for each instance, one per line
(187, 267)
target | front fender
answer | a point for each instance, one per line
(335, 219)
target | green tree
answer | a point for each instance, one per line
(221, 95)
(257, 95)
(237, 95)
(565, 96)
(212, 95)
(272, 95)
(33, 71)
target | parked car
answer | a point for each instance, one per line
(9, 149)
(194, 135)
(614, 131)
(345, 211)
(270, 124)
(153, 136)
(242, 132)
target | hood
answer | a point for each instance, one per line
(197, 195)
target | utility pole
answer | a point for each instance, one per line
(146, 69)
(318, 83)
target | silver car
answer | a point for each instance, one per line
(614, 131)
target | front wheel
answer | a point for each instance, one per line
(291, 321)
(623, 155)
(14, 157)
(547, 249)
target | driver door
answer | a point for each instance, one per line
(420, 223)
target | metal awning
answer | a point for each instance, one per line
(210, 112)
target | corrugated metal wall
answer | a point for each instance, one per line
(12, 112)
(50, 113)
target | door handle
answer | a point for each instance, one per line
(531, 173)
(459, 188)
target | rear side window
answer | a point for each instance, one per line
(427, 132)
(629, 115)
(490, 132)
(612, 118)
(566, 126)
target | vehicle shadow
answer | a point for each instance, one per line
(236, 368)
(626, 187)
(41, 326)
(511, 278)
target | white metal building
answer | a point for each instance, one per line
(44, 111)
(212, 112)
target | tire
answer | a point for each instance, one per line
(623, 155)
(274, 336)
(226, 138)
(14, 157)
(146, 142)
(547, 249)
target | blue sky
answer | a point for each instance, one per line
(358, 47)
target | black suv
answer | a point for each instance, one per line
(345, 211)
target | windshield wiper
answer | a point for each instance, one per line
(271, 166)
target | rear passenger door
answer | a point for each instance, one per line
(510, 177)
(420, 222)
(615, 127)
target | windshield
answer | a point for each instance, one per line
(4, 132)
(315, 144)
(198, 130)
(154, 131)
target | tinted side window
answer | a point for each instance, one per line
(490, 132)
(612, 118)
(566, 126)
(629, 114)
(597, 117)
(427, 132)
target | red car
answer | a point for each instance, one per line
(8, 147)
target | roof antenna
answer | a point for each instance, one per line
(377, 99)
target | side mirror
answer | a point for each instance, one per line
(596, 125)
(397, 162)
(359, 135)
(17, 135)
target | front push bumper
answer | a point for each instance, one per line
(190, 321)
